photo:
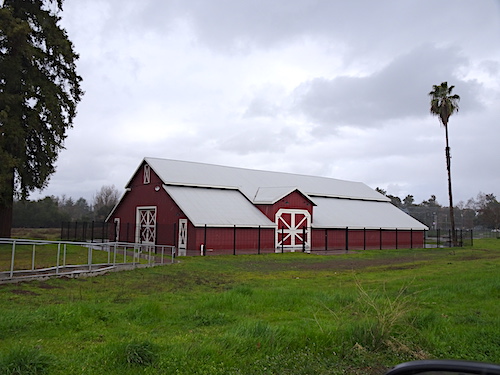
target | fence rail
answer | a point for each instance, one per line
(31, 259)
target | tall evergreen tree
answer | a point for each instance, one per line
(39, 92)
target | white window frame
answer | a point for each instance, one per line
(117, 229)
(147, 174)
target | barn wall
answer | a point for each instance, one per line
(221, 240)
(294, 200)
(340, 239)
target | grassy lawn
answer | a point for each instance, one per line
(260, 314)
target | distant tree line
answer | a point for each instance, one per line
(51, 211)
(481, 212)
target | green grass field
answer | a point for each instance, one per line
(259, 314)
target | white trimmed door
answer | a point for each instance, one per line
(290, 230)
(182, 241)
(145, 230)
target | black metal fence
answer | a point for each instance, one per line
(85, 231)
(443, 238)
(102, 231)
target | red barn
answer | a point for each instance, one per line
(210, 208)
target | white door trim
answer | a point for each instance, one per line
(292, 230)
(145, 225)
(182, 240)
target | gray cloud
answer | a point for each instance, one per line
(399, 90)
(335, 88)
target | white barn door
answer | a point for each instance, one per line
(290, 228)
(145, 229)
(182, 241)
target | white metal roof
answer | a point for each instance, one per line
(217, 207)
(357, 214)
(248, 181)
(270, 195)
(216, 195)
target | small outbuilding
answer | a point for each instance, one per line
(213, 209)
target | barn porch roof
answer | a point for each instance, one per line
(217, 207)
(356, 214)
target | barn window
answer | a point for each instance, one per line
(147, 174)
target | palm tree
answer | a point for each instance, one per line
(444, 104)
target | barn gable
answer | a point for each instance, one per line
(270, 195)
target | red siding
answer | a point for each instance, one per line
(221, 240)
(335, 239)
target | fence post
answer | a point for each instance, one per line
(204, 240)
(90, 257)
(380, 238)
(346, 239)
(397, 238)
(411, 238)
(58, 257)
(364, 238)
(64, 255)
(326, 239)
(84, 231)
(92, 232)
(12, 259)
(174, 238)
(258, 242)
(33, 258)
(234, 239)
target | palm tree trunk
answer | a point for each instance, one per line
(450, 194)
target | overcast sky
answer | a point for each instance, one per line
(320, 87)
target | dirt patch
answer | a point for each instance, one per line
(334, 264)
(24, 292)
(44, 285)
(356, 264)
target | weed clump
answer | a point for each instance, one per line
(142, 353)
(25, 361)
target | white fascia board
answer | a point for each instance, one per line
(117, 204)
(381, 199)
(399, 229)
(165, 184)
(241, 226)
(133, 174)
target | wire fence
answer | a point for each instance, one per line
(22, 259)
